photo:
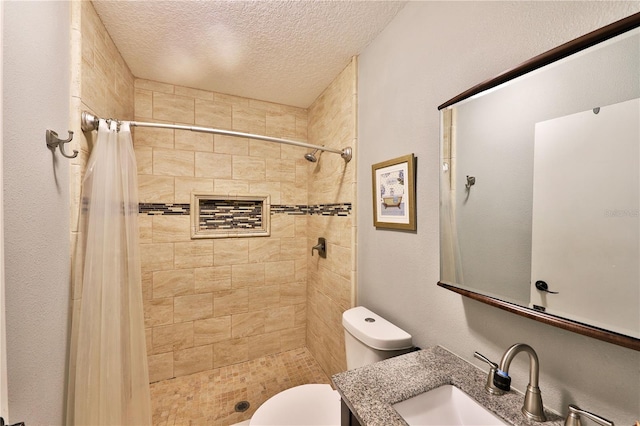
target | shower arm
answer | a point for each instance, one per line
(89, 122)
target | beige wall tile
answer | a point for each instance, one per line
(230, 302)
(228, 186)
(193, 141)
(213, 165)
(230, 145)
(230, 352)
(301, 315)
(194, 254)
(156, 138)
(212, 279)
(293, 338)
(340, 261)
(190, 308)
(156, 257)
(281, 124)
(143, 103)
(155, 189)
(301, 127)
(173, 108)
(173, 162)
(293, 293)
(230, 251)
(147, 285)
(213, 114)
(248, 324)
(279, 272)
(247, 275)
(178, 282)
(264, 149)
(211, 330)
(154, 86)
(160, 367)
(264, 249)
(170, 228)
(264, 297)
(148, 340)
(172, 337)
(223, 98)
(283, 226)
(264, 344)
(184, 186)
(158, 312)
(192, 360)
(291, 193)
(279, 318)
(270, 188)
(265, 106)
(249, 120)
(248, 168)
(193, 93)
(280, 170)
(145, 228)
(144, 159)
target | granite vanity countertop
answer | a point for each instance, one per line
(370, 391)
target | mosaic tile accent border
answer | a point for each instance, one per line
(164, 209)
(230, 214)
(338, 209)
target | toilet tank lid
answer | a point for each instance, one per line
(375, 331)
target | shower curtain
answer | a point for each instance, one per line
(109, 383)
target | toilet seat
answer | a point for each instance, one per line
(314, 404)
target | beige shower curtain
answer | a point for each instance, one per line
(109, 383)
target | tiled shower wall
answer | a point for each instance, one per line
(215, 302)
(101, 83)
(331, 281)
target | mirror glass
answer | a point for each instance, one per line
(540, 188)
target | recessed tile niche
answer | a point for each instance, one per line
(230, 216)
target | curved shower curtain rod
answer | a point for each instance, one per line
(90, 123)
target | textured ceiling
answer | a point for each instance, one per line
(280, 51)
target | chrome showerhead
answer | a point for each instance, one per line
(311, 156)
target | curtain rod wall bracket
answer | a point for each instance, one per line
(89, 122)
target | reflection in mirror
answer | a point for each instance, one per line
(551, 223)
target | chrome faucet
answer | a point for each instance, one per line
(532, 407)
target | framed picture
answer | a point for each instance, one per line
(394, 193)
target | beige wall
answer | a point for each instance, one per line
(332, 122)
(214, 302)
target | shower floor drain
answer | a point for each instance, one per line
(242, 406)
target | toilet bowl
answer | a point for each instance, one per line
(368, 338)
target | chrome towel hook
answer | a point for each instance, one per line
(53, 142)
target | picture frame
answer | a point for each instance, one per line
(394, 193)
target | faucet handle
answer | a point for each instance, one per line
(573, 418)
(489, 387)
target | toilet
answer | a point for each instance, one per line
(368, 338)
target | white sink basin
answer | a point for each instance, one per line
(446, 405)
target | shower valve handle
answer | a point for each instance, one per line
(321, 247)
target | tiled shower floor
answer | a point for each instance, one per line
(209, 397)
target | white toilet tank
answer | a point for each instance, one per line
(370, 338)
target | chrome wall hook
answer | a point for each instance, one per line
(53, 142)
